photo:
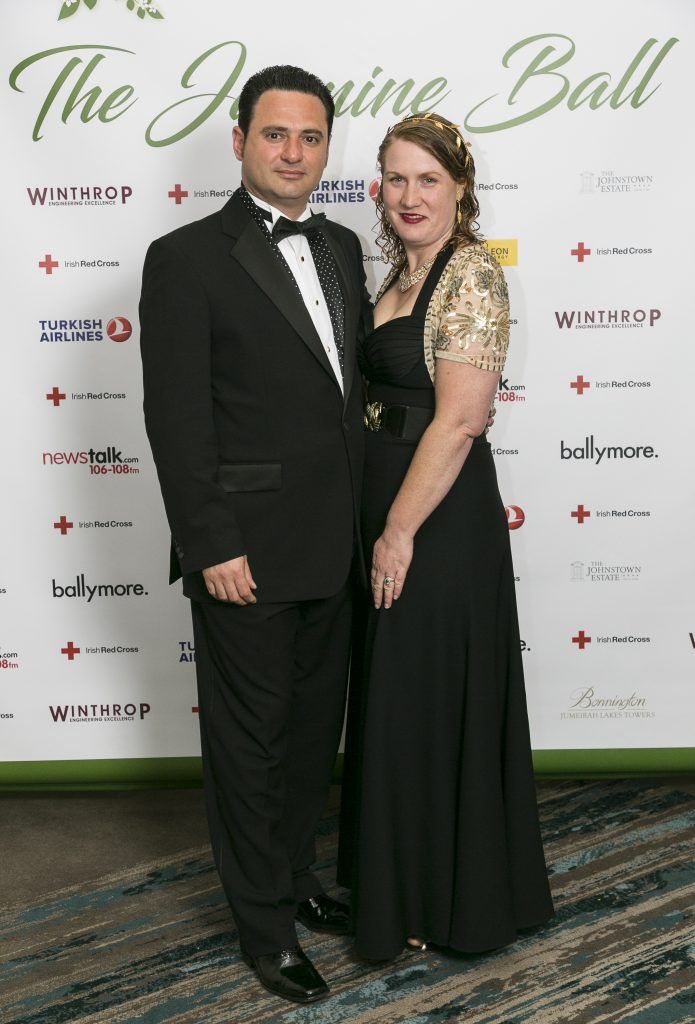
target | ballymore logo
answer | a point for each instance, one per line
(90, 329)
(592, 452)
(100, 462)
(606, 319)
(87, 591)
(79, 195)
(70, 713)
(586, 702)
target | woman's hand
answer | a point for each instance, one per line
(393, 553)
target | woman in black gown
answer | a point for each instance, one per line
(439, 838)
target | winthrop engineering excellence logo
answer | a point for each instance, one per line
(79, 195)
(606, 319)
(71, 713)
(585, 702)
(592, 452)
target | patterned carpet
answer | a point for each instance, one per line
(156, 943)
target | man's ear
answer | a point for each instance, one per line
(238, 141)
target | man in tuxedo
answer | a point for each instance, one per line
(253, 407)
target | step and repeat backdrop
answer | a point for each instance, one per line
(117, 118)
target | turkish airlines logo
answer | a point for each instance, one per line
(119, 328)
(515, 517)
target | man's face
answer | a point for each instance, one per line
(285, 150)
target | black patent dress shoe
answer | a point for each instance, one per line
(323, 914)
(290, 974)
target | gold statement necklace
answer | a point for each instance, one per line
(406, 281)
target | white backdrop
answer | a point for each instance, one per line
(118, 128)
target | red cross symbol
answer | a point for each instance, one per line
(177, 194)
(580, 514)
(580, 252)
(63, 525)
(580, 384)
(48, 263)
(582, 639)
(56, 396)
(195, 710)
(70, 650)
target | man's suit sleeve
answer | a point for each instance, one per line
(175, 339)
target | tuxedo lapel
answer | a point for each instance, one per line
(351, 312)
(252, 251)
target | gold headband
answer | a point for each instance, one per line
(429, 119)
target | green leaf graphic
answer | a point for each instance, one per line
(141, 8)
(67, 9)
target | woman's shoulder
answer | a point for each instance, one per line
(472, 256)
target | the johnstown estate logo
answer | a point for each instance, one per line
(600, 572)
(592, 452)
(76, 93)
(608, 181)
(585, 702)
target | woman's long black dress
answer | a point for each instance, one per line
(440, 835)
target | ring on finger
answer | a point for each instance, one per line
(389, 581)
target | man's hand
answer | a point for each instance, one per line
(231, 581)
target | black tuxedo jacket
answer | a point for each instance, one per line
(257, 451)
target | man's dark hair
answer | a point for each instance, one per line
(288, 79)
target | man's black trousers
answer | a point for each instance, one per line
(271, 691)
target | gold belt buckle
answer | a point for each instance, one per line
(372, 415)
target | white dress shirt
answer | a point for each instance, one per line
(295, 249)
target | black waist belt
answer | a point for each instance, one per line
(408, 422)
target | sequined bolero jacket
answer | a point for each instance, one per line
(467, 317)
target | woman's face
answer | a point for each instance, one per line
(419, 195)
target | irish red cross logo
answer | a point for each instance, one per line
(70, 650)
(56, 396)
(580, 514)
(63, 525)
(177, 194)
(48, 263)
(580, 252)
(581, 639)
(580, 385)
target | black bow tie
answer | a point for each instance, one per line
(284, 227)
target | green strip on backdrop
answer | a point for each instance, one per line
(143, 772)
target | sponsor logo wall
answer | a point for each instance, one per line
(119, 118)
